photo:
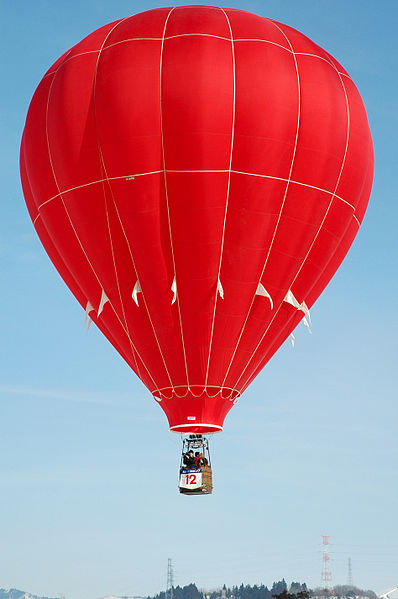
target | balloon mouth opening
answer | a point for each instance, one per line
(183, 391)
(196, 408)
(199, 427)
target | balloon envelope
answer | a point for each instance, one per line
(196, 175)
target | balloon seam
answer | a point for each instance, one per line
(108, 179)
(62, 200)
(119, 177)
(133, 347)
(166, 191)
(282, 205)
(316, 236)
(228, 194)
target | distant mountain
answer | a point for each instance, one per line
(17, 594)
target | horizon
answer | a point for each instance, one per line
(209, 591)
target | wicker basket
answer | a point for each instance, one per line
(207, 484)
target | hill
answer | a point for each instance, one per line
(17, 594)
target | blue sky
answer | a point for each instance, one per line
(88, 469)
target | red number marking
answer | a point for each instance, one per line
(193, 479)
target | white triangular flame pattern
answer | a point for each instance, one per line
(261, 290)
(174, 290)
(290, 299)
(104, 299)
(137, 289)
(220, 289)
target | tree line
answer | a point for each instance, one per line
(261, 591)
(279, 590)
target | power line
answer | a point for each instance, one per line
(326, 575)
(170, 580)
(349, 580)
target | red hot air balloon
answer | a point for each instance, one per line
(196, 175)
